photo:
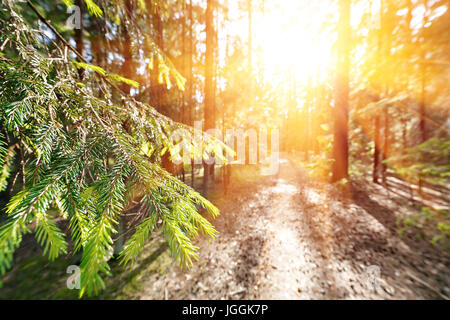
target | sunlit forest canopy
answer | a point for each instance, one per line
(294, 47)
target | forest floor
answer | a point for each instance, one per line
(287, 236)
(291, 237)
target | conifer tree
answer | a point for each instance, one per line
(340, 147)
(79, 158)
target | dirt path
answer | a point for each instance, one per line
(287, 237)
(280, 237)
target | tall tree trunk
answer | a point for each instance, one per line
(126, 69)
(185, 62)
(422, 114)
(209, 115)
(376, 154)
(250, 70)
(340, 146)
(389, 28)
(79, 41)
(97, 51)
(190, 83)
(423, 69)
(378, 67)
(406, 71)
(227, 171)
(309, 121)
(404, 135)
(385, 144)
(250, 35)
(422, 107)
(215, 80)
(156, 89)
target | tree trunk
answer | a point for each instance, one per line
(389, 26)
(227, 173)
(250, 35)
(79, 36)
(184, 97)
(156, 89)
(250, 70)
(340, 146)
(404, 136)
(190, 84)
(209, 115)
(423, 69)
(385, 144)
(126, 69)
(377, 142)
(376, 154)
(422, 107)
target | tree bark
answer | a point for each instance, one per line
(340, 146)
(156, 89)
(79, 40)
(389, 26)
(126, 69)
(376, 154)
(209, 115)
(190, 83)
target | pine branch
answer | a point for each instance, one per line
(81, 160)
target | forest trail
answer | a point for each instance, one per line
(286, 237)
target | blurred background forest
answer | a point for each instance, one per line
(358, 90)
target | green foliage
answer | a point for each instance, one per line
(92, 7)
(321, 164)
(320, 167)
(428, 161)
(165, 67)
(87, 66)
(6, 163)
(112, 77)
(118, 78)
(83, 157)
(433, 225)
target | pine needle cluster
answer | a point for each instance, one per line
(79, 148)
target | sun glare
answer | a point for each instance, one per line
(302, 59)
(293, 41)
